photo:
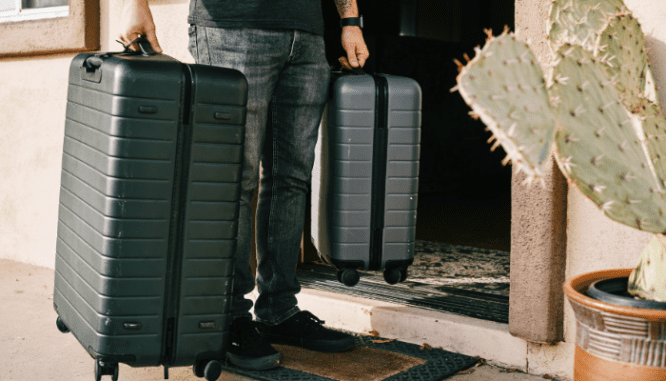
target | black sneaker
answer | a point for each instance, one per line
(248, 350)
(307, 331)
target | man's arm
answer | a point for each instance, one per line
(352, 37)
(137, 20)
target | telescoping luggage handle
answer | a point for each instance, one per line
(90, 70)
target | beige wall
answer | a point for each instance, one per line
(33, 95)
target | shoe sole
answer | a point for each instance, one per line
(262, 363)
(331, 346)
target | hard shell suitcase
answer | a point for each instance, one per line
(149, 200)
(365, 176)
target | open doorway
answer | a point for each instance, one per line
(464, 206)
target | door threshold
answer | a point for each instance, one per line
(453, 298)
(453, 332)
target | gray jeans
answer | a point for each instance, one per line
(288, 78)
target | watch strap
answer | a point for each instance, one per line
(352, 21)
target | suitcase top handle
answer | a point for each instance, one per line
(90, 69)
(144, 45)
(355, 71)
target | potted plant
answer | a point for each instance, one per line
(595, 111)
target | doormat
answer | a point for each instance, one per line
(373, 359)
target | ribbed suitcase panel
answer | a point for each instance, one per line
(402, 169)
(130, 107)
(121, 233)
(107, 246)
(157, 169)
(110, 226)
(113, 186)
(114, 125)
(127, 148)
(149, 266)
(99, 331)
(115, 207)
(342, 174)
(211, 217)
(112, 206)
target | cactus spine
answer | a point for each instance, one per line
(621, 45)
(579, 22)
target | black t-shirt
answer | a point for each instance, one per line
(262, 14)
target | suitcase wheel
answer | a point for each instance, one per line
(393, 275)
(61, 325)
(102, 369)
(210, 370)
(349, 277)
(403, 275)
(213, 370)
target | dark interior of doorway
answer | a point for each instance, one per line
(464, 191)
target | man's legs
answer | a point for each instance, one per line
(297, 103)
(288, 155)
(259, 55)
(288, 78)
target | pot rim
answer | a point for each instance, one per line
(575, 289)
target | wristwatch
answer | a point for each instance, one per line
(352, 21)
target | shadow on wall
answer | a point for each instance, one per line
(657, 54)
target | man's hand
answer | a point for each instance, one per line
(354, 44)
(137, 20)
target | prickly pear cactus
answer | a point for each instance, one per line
(600, 145)
(648, 280)
(610, 135)
(621, 45)
(580, 21)
(504, 85)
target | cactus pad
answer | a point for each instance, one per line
(580, 21)
(600, 145)
(505, 87)
(622, 46)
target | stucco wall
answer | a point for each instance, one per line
(32, 114)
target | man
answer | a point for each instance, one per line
(279, 46)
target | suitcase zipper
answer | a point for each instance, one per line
(177, 225)
(379, 161)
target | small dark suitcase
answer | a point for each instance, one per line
(365, 176)
(149, 200)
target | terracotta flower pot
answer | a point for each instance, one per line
(615, 342)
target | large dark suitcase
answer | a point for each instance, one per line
(365, 176)
(148, 211)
